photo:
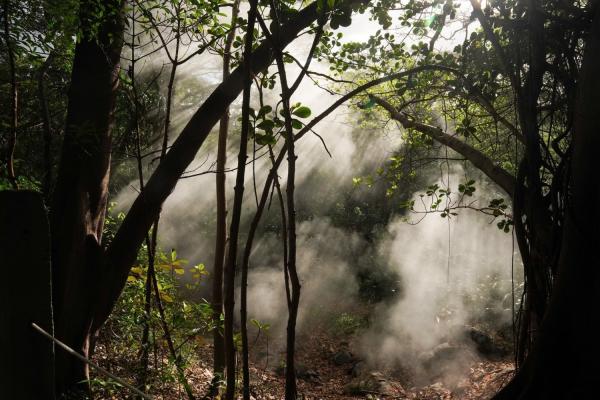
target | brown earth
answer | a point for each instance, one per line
(320, 376)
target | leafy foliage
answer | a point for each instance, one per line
(188, 321)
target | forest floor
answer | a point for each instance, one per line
(326, 369)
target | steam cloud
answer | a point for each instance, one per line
(431, 300)
(455, 273)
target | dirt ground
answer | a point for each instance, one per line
(321, 377)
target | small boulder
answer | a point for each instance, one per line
(302, 372)
(307, 374)
(342, 357)
(440, 354)
(369, 383)
(484, 343)
(358, 369)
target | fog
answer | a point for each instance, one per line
(447, 273)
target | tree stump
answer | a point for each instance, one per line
(26, 357)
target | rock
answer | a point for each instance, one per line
(307, 374)
(484, 343)
(369, 383)
(358, 369)
(342, 357)
(440, 354)
(302, 372)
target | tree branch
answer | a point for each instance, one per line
(497, 174)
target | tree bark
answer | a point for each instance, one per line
(12, 133)
(47, 129)
(80, 197)
(231, 264)
(290, 269)
(221, 234)
(496, 173)
(563, 363)
(26, 358)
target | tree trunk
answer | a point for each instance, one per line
(47, 128)
(12, 133)
(290, 263)
(563, 363)
(26, 358)
(80, 197)
(221, 239)
(230, 266)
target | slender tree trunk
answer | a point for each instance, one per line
(290, 374)
(12, 133)
(221, 234)
(47, 128)
(291, 270)
(230, 266)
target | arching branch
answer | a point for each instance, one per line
(497, 174)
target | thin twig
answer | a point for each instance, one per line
(90, 363)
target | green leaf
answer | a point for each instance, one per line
(266, 125)
(264, 110)
(302, 112)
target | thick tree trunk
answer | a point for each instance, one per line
(26, 358)
(564, 361)
(80, 197)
